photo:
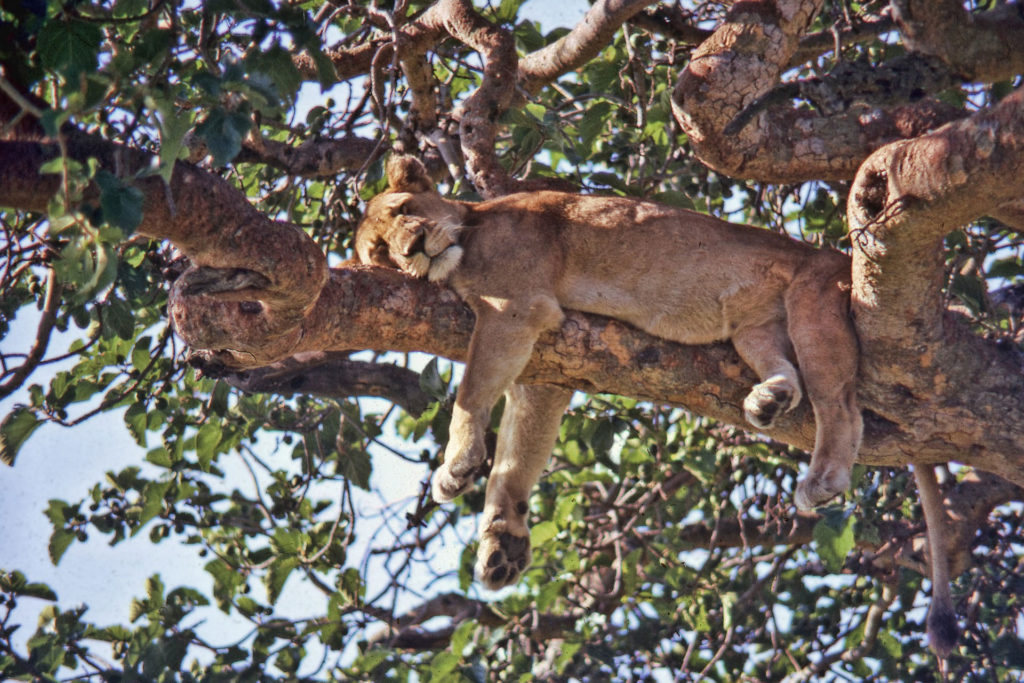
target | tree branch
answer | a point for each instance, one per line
(907, 197)
(313, 158)
(42, 341)
(360, 308)
(980, 46)
(331, 375)
(741, 62)
(579, 46)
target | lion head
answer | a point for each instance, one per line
(410, 226)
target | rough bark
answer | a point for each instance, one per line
(372, 308)
(981, 46)
(907, 197)
(333, 375)
(314, 158)
(741, 62)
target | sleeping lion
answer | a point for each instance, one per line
(519, 260)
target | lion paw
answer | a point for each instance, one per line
(449, 483)
(502, 556)
(452, 480)
(817, 490)
(766, 401)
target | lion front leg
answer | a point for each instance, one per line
(502, 343)
(529, 428)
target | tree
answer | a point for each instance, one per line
(140, 137)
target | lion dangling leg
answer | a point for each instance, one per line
(827, 352)
(502, 343)
(529, 428)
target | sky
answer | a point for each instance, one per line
(64, 464)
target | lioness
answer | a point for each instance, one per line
(520, 259)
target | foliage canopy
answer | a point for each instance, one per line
(665, 543)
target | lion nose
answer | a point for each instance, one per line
(416, 246)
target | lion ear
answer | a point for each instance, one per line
(408, 174)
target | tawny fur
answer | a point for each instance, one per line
(519, 260)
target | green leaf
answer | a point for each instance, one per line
(834, 536)
(223, 133)
(675, 198)
(462, 635)
(207, 440)
(38, 590)
(442, 664)
(728, 607)
(16, 583)
(140, 356)
(507, 10)
(160, 457)
(432, 383)
(15, 429)
(549, 592)
(219, 398)
(152, 503)
(59, 542)
(277, 575)
(136, 609)
(288, 541)
(121, 204)
(155, 591)
(889, 644)
(1009, 650)
(226, 582)
(174, 123)
(58, 512)
(326, 74)
(543, 532)
(46, 651)
(276, 63)
(69, 47)
(351, 587)
(118, 318)
(355, 465)
(592, 123)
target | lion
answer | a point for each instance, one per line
(518, 261)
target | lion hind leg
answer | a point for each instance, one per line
(827, 352)
(502, 343)
(529, 428)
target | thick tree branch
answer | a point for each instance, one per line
(740, 63)
(330, 375)
(981, 46)
(349, 61)
(906, 198)
(313, 158)
(208, 220)
(579, 46)
(360, 308)
(479, 115)
(672, 21)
